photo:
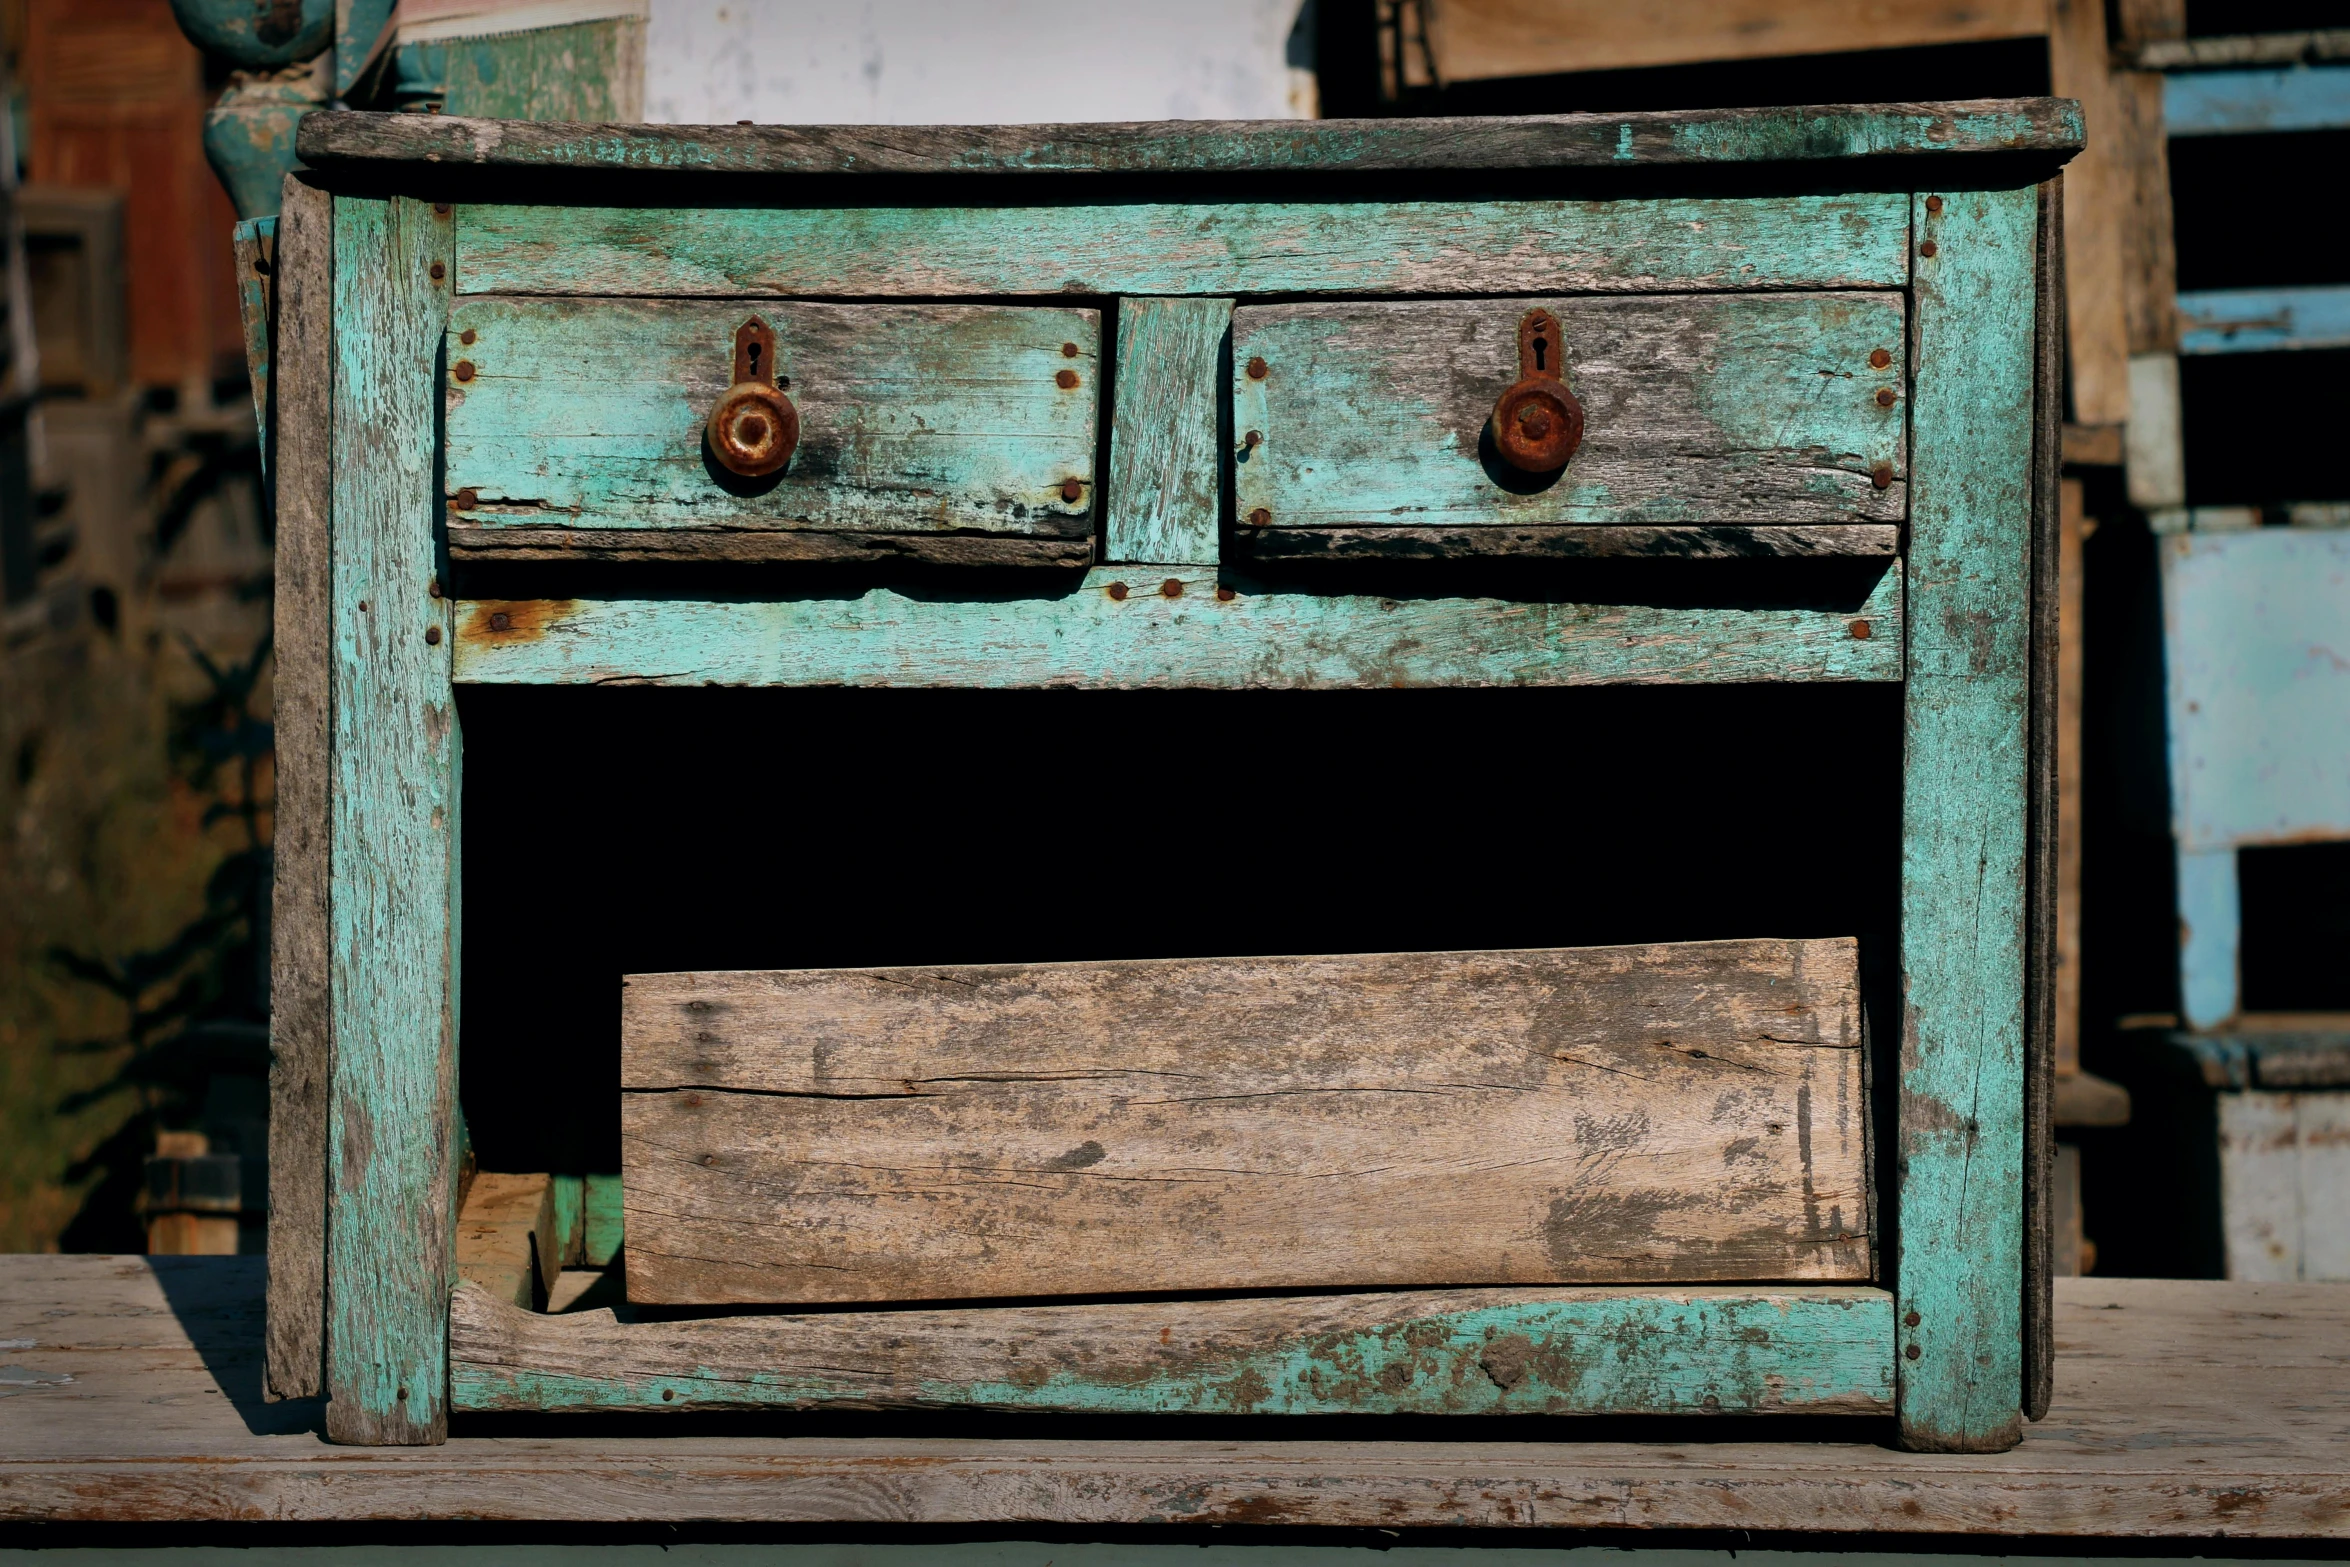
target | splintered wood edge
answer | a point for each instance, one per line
(1696, 541)
(2047, 126)
(472, 542)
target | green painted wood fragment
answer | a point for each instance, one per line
(392, 1142)
(582, 71)
(1717, 408)
(1961, 1101)
(913, 418)
(567, 1201)
(1822, 1350)
(1166, 457)
(1157, 248)
(1122, 628)
(602, 1233)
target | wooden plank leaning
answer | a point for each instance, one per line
(301, 1037)
(1961, 1092)
(392, 1147)
(1683, 1113)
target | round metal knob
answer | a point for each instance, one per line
(753, 427)
(1538, 423)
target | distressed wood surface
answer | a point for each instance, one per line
(1162, 248)
(511, 1234)
(509, 542)
(914, 419)
(1481, 143)
(1758, 408)
(1166, 452)
(2284, 1160)
(1961, 1093)
(2184, 1409)
(1478, 40)
(1826, 1350)
(1573, 541)
(1122, 628)
(392, 1147)
(2041, 790)
(301, 1022)
(1671, 1113)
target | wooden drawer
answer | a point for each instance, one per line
(962, 433)
(1366, 427)
(1637, 1114)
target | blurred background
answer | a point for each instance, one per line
(2204, 728)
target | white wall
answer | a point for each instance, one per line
(916, 62)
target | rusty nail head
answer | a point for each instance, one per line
(1258, 369)
(439, 272)
(1910, 1353)
(432, 636)
(363, 606)
(1928, 249)
(1912, 1320)
(1172, 588)
(1885, 397)
(440, 209)
(468, 498)
(1071, 488)
(1260, 518)
(668, 1394)
(501, 621)
(1224, 594)
(1117, 591)
(1882, 476)
(1933, 204)
(1065, 380)
(1253, 438)
(1068, 350)
(467, 336)
(464, 369)
(742, 122)
(1860, 631)
(1879, 359)
(433, 587)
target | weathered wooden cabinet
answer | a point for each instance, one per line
(1370, 405)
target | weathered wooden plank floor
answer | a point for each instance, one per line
(130, 1388)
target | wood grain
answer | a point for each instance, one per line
(1121, 628)
(1166, 457)
(301, 1018)
(2185, 1409)
(2097, 197)
(939, 420)
(1685, 1113)
(511, 1234)
(2046, 126)
(1825, 1350)
(392, 1146)
(1170, 248)
(2041, 866)
(1476, 40)
(1961, 1091)
(1698, 409)
(764, 547)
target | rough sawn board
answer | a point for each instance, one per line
(1680, 1113)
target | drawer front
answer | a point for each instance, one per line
(1747, 409)
(1680, 1114)
(577, 426)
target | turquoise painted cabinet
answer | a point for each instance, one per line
(1133, 407)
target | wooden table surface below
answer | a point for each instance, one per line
(130, 1389)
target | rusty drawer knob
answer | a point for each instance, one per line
(1538, 423)
(754, 428)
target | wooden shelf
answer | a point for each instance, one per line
(2182, 1409)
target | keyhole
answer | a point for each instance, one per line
(751, 353)
(1539, 348)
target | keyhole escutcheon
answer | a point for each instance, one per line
(754, 428)
(1538, 422)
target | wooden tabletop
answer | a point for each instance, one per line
(130, 1389)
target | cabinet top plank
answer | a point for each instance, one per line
(2048, 127)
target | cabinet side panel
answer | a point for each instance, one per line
(301, 1038)
(392, 1145)
(1961, 1092)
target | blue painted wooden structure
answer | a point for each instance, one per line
(2239, 103)
(1940, 213)
(2264, 320)
(2256, 624)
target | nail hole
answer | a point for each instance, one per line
(439, 272)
